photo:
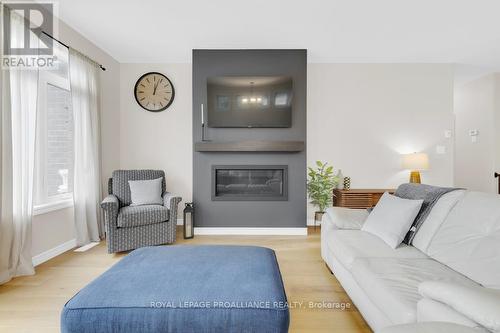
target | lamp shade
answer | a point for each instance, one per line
(416, 161)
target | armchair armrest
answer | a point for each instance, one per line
(170, 200)
(110, 202)
(347, 218)
(480, 304)
(111, 206)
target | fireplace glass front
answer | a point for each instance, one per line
(256, 182)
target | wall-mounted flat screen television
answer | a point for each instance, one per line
(249, 101)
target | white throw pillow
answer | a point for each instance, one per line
(146, 192)
(391, 218)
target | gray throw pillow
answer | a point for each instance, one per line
(146, 192)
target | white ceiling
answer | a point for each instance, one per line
(156, 31)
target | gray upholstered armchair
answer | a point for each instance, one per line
(130, 227)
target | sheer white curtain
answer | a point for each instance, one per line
(17, 146)
(84, 79)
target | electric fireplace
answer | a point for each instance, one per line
(249, 182)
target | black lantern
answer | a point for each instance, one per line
(189, 221)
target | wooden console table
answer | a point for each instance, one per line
(358, 198)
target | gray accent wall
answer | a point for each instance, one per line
(290, 213)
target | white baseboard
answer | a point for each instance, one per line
(54, 252)
(86, 247)
(310, 222)
(251, 231)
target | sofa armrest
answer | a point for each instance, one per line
(482, 305)
(347, 218)
(111, 206)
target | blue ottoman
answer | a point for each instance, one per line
(183, 289)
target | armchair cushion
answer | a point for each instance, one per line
(120, 185)
(134, 216)
(477, 303)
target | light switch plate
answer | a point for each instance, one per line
(473, 132)
(441, 150)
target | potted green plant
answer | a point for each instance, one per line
(320, 187)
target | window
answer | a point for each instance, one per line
(54, 146)
(59, 162)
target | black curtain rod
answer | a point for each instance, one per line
(66, 46)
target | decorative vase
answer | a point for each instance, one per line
(347, 183)
(318, 216)
(340, 178)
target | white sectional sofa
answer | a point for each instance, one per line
(451, 273)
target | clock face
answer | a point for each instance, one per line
(154, 92)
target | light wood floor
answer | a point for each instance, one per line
(32, 304)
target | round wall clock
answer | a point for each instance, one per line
(154, 92)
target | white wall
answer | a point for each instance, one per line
(477, 106)
(57, 227)
(158, 140)
(51, 230)
(362, 117)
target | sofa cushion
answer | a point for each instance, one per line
(482, 305)
(392, 283)
(121, 188)
(434, 327)
(435, 219)
(469, 239)
(347, 245)
(431, 310)
(134, 216)
(347, 218)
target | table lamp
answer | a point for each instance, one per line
(415, 162)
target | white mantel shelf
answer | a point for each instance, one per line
(249, 146)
